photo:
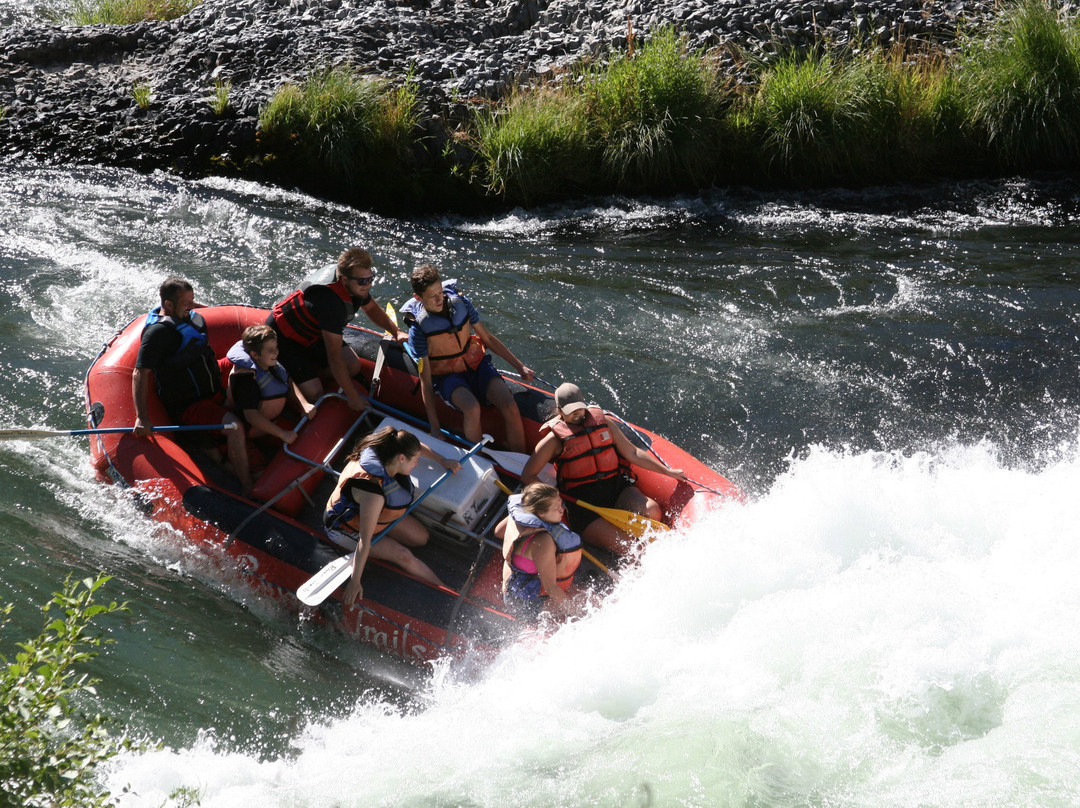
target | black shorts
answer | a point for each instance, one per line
(302, 363)
(602, 494)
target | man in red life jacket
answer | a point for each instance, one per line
(310, 324)
(591, 457)
(175, 354)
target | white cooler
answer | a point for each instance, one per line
(462, 498)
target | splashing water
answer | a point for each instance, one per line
(877, 630)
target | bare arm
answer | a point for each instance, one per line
(371, 505)
(499, 349)
(378, 315)
(447, 463)
(427, 394)
(140, 393)
(542, 551)
(264, 424)
(299, 400)
(334, 344)
(634, 455)
(547, 449)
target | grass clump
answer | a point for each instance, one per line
(219, 97)
(48, 751)
(143, 94)
(654, 115)
(640, 123)
(1021, 87)
(536, 146)
(341, 123)
(127, 12)
(854, 117)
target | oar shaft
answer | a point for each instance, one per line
(31, 434)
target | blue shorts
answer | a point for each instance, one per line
(476, 381)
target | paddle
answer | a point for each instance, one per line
(323, 583)
(585, 553)
(34, 434)
(656, 454)
(631, 523)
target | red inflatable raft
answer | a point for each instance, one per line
(275, 538)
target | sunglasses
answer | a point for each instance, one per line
(367, 281)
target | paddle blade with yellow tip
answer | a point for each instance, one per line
(633, 524)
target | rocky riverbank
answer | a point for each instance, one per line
(66, 93)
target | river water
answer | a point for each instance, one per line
(889, 620)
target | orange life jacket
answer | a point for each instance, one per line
(341, 511)
(588, 451)
(453, 349)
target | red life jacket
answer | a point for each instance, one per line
(294, 319)
(588, 451)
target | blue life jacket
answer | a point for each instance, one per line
(273, 383)
(192, 372)
(342, 512)
(526, 585)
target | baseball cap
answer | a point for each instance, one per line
(568, 398)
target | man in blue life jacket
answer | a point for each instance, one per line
(310, 324)
(175, 355)
(592, 458)
(454, 361)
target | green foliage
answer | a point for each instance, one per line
(832, 116)
(536, 146)
(641, 123)
(654, 115)
(126, 12)
(143, 94)
(48, 751)
(1021, 87)
(219, 99)
(341, 123)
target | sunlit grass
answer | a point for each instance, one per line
(638, 123)
(127, 12)
(340, 122)
(536, 146)
(1021, 86)
(219, 97)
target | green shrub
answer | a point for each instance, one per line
(536, 146)
(654, 115)
(809, 119)
(126, 12)
(642, 123)
(1021, 87)
(49, 751)
(340, 123)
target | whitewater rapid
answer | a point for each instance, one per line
(878, 629)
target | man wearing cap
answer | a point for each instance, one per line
(310, 324)
(591, 458)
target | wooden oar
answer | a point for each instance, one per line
(323, 583)
(34, 434)
(585, 553)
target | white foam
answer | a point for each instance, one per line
(878, 629)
